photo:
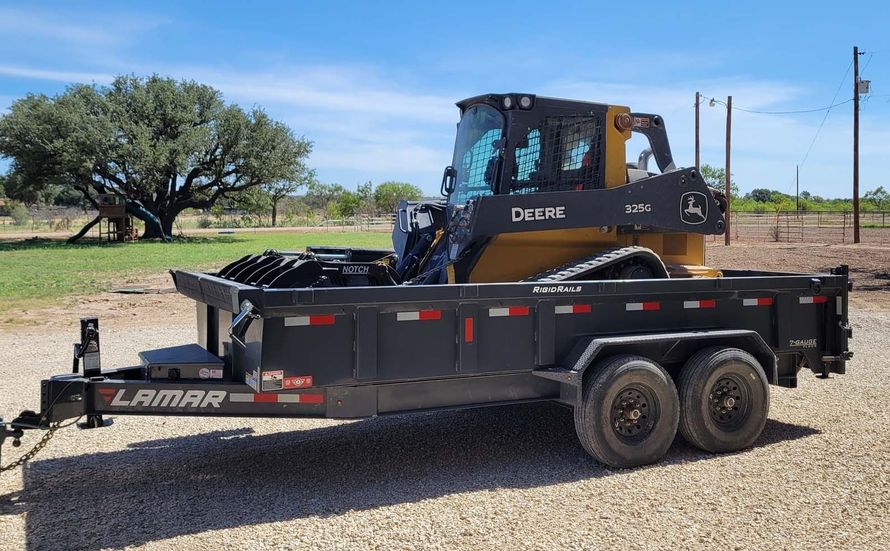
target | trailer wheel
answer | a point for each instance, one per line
(724, 399)
(628, 413)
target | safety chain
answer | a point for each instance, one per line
(33, 451)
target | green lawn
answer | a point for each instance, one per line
(39, 272)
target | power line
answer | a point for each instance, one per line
(867, 61)
(827, 112)
(816, 110)
(821, 124)
(828, 108)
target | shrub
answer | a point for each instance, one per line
(205, 222)
(19, 214)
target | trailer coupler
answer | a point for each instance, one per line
(14, 431)
(7, 431)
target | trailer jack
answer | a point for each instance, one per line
(94, 421)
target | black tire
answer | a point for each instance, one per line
(629, 412)
(724, 399)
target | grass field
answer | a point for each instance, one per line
(39, 272)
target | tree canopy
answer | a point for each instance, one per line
(716, 178)
(388, 194)
(167, 145)
(879, 196)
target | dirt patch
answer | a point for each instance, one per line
(869, 264)
(113, 309)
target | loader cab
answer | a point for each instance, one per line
(521, 143)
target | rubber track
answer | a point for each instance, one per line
(602, 260)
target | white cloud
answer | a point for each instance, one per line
(343, 89)
(77, 28)
(54, 75)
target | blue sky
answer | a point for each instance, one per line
(373, 84)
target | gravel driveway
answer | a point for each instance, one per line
(505, 477)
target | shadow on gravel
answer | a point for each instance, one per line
(164, 488)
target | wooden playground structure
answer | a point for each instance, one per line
(115, 224)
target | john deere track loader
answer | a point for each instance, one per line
(539, 190)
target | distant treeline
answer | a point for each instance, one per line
(769, 200)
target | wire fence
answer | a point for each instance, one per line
(832, 227)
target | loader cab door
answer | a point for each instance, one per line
(478, 153)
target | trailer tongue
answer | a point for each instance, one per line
(636, 359)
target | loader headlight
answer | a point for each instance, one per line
(525, 102)
(507, 102)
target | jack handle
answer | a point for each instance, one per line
(241, 322)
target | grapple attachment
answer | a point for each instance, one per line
(315, 267)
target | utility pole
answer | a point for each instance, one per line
(797, 184)
(697, 131)
(728, 190)
(855, 144)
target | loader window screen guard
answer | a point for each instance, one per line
(475, 151)
(561, 154)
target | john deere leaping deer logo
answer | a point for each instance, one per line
(693, 207)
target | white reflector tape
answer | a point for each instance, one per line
(269, 398)
(513, 311)
(574, 309)
(767, 301)
(694, 304)
(322, 319)
(422, 315)
(839, 303)
(642, 306)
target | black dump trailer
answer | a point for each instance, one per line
(638, 360)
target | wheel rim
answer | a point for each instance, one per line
(729, 402)
(634, 413)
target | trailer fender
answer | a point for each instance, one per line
(665, 348)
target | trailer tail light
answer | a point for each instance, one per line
(468, 330)
(818, 299)
(764, 301)
(260, 398)
(642, 306)
(512, 311)
(695, 304)
(574, 309)
(321, 319)
(420, 315)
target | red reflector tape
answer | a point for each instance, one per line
(421, 315)
(320, 319)
(709, 303)
(468, 329)
(574, 309)
(642, 306)
(512, 311)
(267, 398)
(766, 301)
(818, 299)
(310, 398)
